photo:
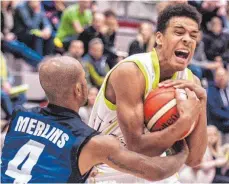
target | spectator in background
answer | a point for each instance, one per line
(210, 9)
(142, 42)
(85, 111)
(73, 21)
(96, 30)
(8, 100)
(111, 23)
(53, 10)
(217, 42)
(76, 50)
(95, 62)
(200, 65)
(215, 147)
(32, 27)
(112, 27)
(94, 7)
(209, 169)
(218, 102)
(9, 40)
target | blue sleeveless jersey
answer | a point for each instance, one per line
(43, 146)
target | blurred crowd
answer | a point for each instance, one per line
(36, 30)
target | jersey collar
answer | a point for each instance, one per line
(60, 111)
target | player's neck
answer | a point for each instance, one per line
(165, 69)
(67, 105)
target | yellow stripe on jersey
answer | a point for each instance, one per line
(142, 68)
(156, 67)
(175, 76)
(110, 105)
(113, 125)
(190, 75)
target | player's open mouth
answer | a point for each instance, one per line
(182, 54)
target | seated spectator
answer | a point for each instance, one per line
(200, 65)
(111, 23)
(73, 21)
(8, 99)
(9, 40)
(32, 27)
(209, 169)
(98, 29)
(76, 50)
(142, 42)
(215, 146)
(85, 111)
(112, 27)
(53, 10)
(210, 9)
(217, 42)
(95, 62)
(218, 103)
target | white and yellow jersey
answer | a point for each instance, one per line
(104, 115)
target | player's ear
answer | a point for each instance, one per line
(77, 89)
(158, 38)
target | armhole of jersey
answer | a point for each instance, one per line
(141, 67)
(156, 67)
(76, 154)
(109, 104)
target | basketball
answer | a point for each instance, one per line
(160, 109)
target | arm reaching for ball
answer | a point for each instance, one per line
(107, 149)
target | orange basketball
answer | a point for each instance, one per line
(160, 110)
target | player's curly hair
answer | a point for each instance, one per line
(177, 10)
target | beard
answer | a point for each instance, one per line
(84, 94)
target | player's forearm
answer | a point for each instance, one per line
(166, 166)
(197, 140)
(154, 144)
(153, 169)
(170, 164)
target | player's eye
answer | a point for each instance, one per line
(194, 37)
(179, 33)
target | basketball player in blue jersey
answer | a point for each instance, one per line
(53, 145)
(118, 109)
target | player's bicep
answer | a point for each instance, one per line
(129, 84)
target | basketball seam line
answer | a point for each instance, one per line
(158, 93)
(160, 113)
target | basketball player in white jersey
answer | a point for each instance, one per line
(118, 109)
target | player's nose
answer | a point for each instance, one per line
(186, 39)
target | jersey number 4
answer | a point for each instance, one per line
(31, 150)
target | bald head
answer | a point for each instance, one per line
(58, 76)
